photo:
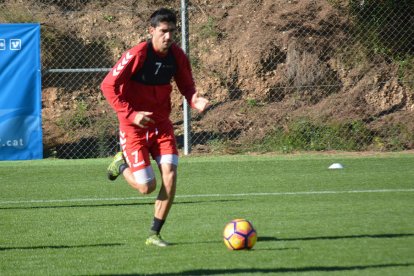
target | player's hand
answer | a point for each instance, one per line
(142, 119)
(199, 103)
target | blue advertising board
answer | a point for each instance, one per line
(20, 92)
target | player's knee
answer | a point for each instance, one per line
(145, 180)
(146, 188)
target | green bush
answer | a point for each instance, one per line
(386, 26)
(209, 29)
(310, 136)
(305, 135)
(394, 137)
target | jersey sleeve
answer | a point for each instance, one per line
(184, 76)
(112, 84)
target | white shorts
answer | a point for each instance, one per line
(146, 175)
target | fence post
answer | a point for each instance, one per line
(185, 47)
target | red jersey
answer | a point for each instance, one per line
(141, 81)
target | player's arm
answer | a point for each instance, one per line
(118, 76)
(185, 82)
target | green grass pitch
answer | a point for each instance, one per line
(63, 217)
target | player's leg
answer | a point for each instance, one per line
(166, 155)
(133, 163)
(169, 183)
(164, 201)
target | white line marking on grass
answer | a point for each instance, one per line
(206, 195)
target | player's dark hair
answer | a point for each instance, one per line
(162, 15)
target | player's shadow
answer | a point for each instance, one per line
(109, 204)
(375, 236)
(261, 239)
(305, 269)
(59, 246)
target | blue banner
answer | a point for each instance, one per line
(20, 92)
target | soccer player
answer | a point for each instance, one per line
(138, 88)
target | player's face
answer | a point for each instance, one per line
(163, 36)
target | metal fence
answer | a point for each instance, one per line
(281, 75)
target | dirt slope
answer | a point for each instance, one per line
(247, 57)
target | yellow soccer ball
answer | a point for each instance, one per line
(239, 234)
